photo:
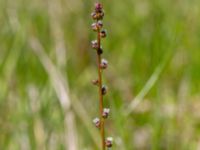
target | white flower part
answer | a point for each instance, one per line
(106, 110)
(104, 61)
(110, 139)
(94, 26)
(100, 24)
(94, 44)
(96, 120)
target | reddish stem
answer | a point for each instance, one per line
(100, 91)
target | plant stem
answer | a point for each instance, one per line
(100, 92)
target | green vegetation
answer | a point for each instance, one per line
(47, 64)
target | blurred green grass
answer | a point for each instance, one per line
(46, 65)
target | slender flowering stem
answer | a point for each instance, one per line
(98, 15)
(100, 91)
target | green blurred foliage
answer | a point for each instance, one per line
(142, 35)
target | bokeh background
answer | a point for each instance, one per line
(47, 101)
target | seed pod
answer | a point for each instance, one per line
(96, 121)
(103, 33)
(104, 89)
(100, 51)
(94, 44)
(106, 112)
(109, 142)
(104, 64)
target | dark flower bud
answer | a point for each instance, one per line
(94, 27)
(103, 33)
(100, 51)
(94, 44)
(104, 89)
(100, 15)
(98, 7)
(95, 82)
(97, 15)
(104, 64)
(109, 142)
(96, 121)
(106, 112)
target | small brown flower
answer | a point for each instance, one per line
(100, 15)
(106, 112)
(96, 121)
(94, 15)
(95, 82)
(94, 44)
(104, 64)
(94, 27)
(109, 142)
(99, 24)
(103, 33)
(97, 15)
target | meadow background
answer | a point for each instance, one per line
(47, 101)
